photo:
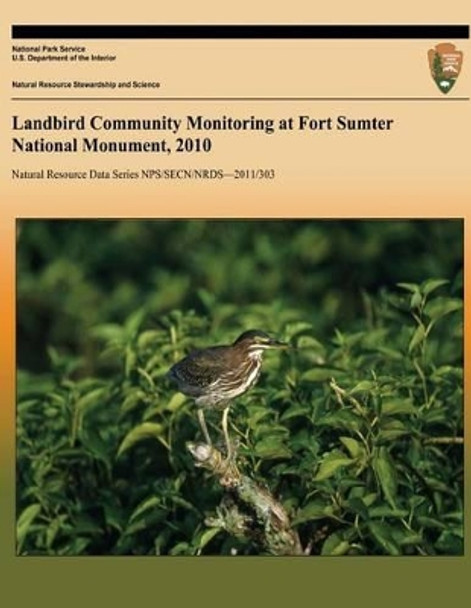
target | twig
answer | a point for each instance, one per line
(248, 510)
(342, 394)
(443, 440)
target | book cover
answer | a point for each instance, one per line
(234, 252)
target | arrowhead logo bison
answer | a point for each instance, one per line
(445, 63)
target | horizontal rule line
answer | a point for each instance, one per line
(218, 99)
(239, 31)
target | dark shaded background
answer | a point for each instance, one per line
(74, 274)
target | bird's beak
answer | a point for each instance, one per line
(278, 344)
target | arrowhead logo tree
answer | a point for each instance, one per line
(445, 63)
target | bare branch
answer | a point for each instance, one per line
(248, 510)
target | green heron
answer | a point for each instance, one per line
(214, 376)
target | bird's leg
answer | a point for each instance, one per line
(203, 426)
(226, 433)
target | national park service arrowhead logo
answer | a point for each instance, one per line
(445, 63)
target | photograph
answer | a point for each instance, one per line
(239, 387)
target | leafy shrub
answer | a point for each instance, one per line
(357, 430)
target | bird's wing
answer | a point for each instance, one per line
(200, 368)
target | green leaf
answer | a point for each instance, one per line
(331, 463)
(416, 300)
(23, 406)
(114, 516)
(363, 386)
(94, 444)
(398, 406)
(181, 502)
(412, 287)
(385, 510)
(130, 361)
(207, 298)
(390, 435)
(182, 548)
(386, 473)
(450, 543)
(108, 332)
(24, 522)
(76, 547)
(319, 374)
(175, 403)
(91, 399)
(316, 509)
(294, 411)
(354, 447)
(431, 285)
(270, 448)
(309, 343)
(145, 521)
(293, 329)
(149, 338)
(343, 419)
(133, 322)
(85, 525)
(207, 537)
(390, 353)
(133, 399)
(434, 416)
(53, 529)
(383, 535)
(407, 538)
(152, 502)
(139, 433)
(370, 498)
(335, 545)
(417, 337)
(256, 415)
(439, 307)
(358, 506)
(430, 522)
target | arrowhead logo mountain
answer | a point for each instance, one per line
(445, 63)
